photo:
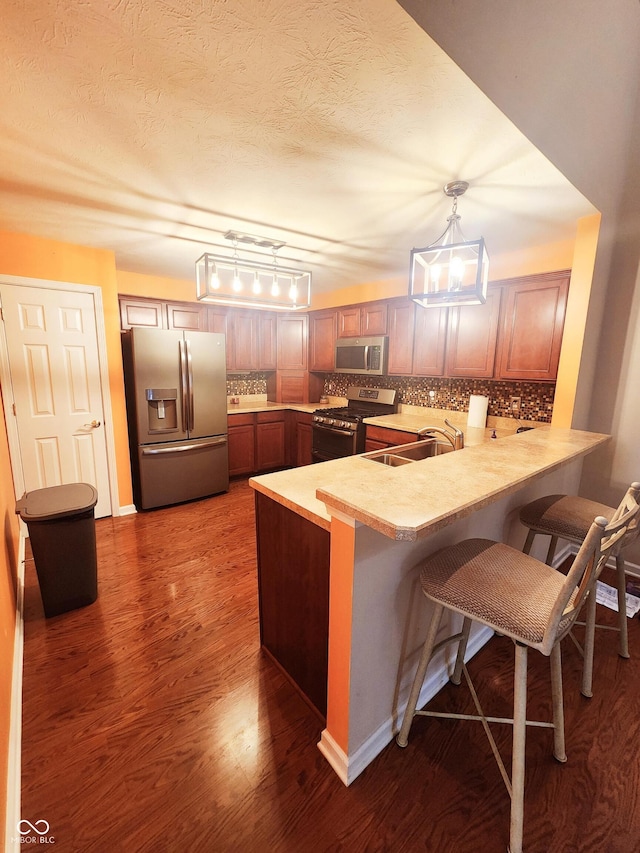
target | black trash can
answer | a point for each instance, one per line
(62, 530)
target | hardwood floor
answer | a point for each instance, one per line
(152, 722)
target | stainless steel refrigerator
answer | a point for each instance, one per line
(177, 402)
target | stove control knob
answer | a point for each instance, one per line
(344, 424)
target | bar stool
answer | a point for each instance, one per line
(521, 598)
(569, 517)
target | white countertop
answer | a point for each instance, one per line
(414, 500)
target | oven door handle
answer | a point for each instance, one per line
(334, 430)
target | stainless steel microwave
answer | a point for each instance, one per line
(362, 355)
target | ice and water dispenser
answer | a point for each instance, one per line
(162, 410)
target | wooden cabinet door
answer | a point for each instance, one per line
(430, 336)
(293, 340)
(142, 312)
(472, 338)
(304, 441)
(381, 437)
(217, 321)
(532, 328)
(270, 442)
(267, 342)
(349, 322)
(322, 341)
(401, 323)
(373, 319)
(241, 444)
(244, 336)
(188, 317)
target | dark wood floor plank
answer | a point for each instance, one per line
(153, 722)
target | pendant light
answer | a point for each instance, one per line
(253, 283)
(452, 270)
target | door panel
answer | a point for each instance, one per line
(209, 375)
(55, 373)
(156, 371)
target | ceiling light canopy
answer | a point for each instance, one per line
(254, 283)
(453, 270)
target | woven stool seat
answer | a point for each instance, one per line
(521, 598)
(565, 516)
(507, 590)
(569, 517)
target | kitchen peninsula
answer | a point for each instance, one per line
(338, 548)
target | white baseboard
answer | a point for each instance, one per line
(349, 767)
(14, 768)
(632, 569)
(129, 509)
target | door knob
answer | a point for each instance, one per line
(93, 424)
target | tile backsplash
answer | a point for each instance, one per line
(452, 394)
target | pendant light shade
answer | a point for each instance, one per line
(453, 270)
(253, 283)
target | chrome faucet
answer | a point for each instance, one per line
(456, 439)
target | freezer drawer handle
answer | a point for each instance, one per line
(148, 451)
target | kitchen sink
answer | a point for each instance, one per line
(405, 453)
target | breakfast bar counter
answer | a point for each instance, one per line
(339, 551)
(416, 500)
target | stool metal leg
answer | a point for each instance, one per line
(427, 650)
(622, 607)
(528, 541)
(531, 535)
(589, 643)
(519, 736)
(462, 650)
(552, 550)
(558, 706)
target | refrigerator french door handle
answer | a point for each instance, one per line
(184, 387)
(179, 448)
(190, 381)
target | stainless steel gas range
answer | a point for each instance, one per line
(341, 431)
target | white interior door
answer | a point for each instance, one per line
(55, 374)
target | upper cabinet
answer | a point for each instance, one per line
(516, 335)
(532, 326)
(430, 337)
(401, 331)
(267, 341)
(293, 341)
(142, 312)
(363, 320)
(322, 340)
(472, 338)
(244, 341)
(251, 341)
(187, 316)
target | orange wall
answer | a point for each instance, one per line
(35, 257)
(156, 287)
(8, 584)
(573, 338)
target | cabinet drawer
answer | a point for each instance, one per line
(389, 437)
(270, 417)
(242, 419)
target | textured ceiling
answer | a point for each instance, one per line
(153, 128)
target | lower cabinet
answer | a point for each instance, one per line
(303, 439)
(378, 438)
(270, 441)
(256, 442)
(241, 441)
(293, 588)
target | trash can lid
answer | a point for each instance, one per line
(56, 501)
